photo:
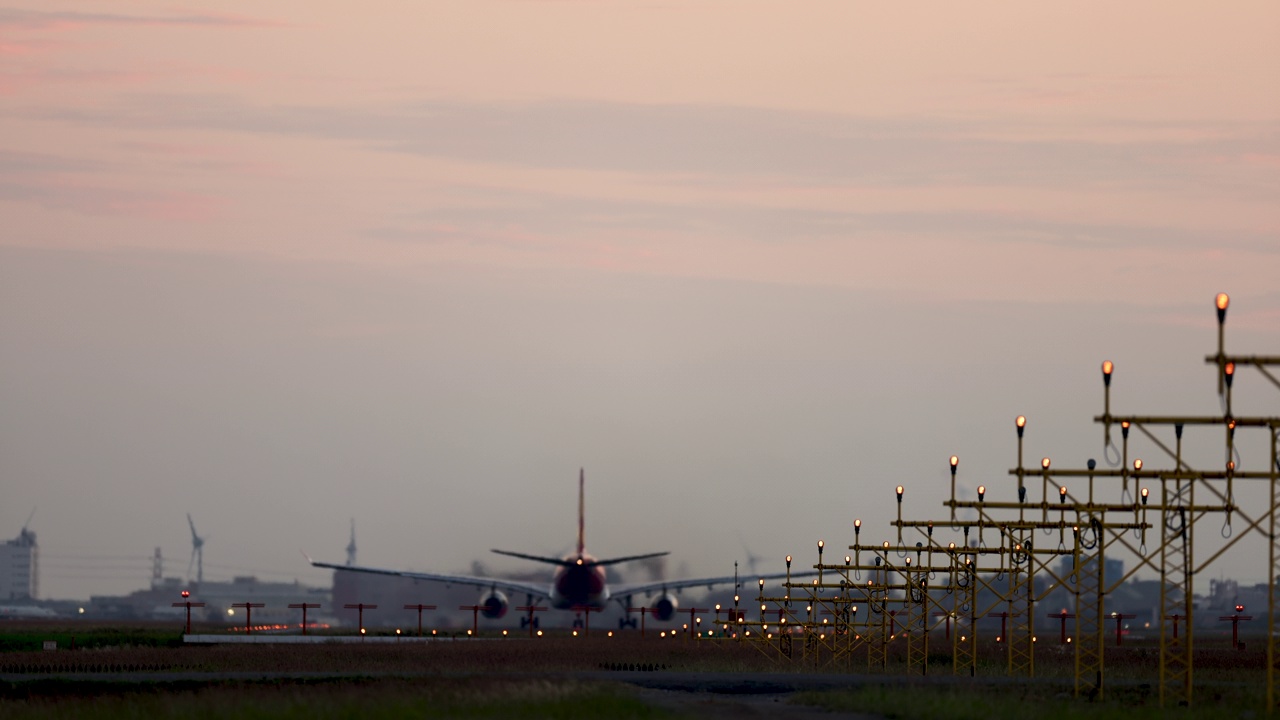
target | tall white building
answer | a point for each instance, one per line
(20, 567)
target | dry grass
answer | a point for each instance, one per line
(468, 656)
(477, 697)
(1047, 701)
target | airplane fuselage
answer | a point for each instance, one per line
(9, 612)
(580, 584)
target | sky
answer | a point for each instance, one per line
(751, 264)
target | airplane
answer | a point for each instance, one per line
(17, 612)
(578, 581)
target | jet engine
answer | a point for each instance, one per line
(665, 608)
(493, 605)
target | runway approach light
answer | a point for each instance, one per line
(1230, 371)
(1045, 463)
(1137, 464)
(982, 491)
(1062, 494)
(1021, 422)
(898, 490)
(1222, 301)
(1107, 368)
(954, 462)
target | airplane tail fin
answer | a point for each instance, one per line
(581, 512)
(581, 540)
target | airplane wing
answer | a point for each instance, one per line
(512, 586)
(747, 581)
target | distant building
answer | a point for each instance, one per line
(20, 567)
(220, 599)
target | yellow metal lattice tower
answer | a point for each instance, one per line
(1020, 645)
(1176, 606)
(898, 595)
(1090, 633)
(964, 643)
(1273, 612)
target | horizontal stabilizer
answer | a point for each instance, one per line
(536, 558)
(569, 562)
(629, 558)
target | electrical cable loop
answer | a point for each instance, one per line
(1090, 535)
(1107, 450)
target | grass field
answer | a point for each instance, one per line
(472, 697)
(1043, 701)
(31, 635)
(555, 654)
(144, 671)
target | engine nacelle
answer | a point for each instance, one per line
(493, 605)
(665, 608)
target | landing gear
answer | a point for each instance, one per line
(627, 621)
(577, 621)
(524, 623)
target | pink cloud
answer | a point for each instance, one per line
(23, 47)
(65, 20)
(66, 194)
(1265, 160)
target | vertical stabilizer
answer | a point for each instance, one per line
(581, 511)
